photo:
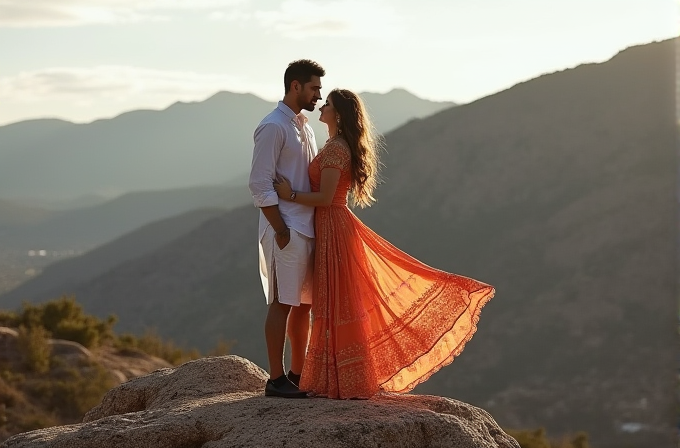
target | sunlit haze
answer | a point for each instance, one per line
(86, 59)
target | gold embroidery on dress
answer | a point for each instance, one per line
(335, 155)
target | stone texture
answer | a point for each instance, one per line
(218, 402)
(69, 350)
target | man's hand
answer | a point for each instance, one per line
(281, 230)
(282, 238)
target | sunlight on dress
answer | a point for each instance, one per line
(382, 320)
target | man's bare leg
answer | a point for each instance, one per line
(275, 336)
(278, 384)
(298, 333)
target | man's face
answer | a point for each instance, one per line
(309, 93)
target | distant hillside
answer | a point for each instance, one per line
(92, 226)
(561, 192)
(14, 214)
(184, 145)
(187, 144)
(64, 276)
(388, 111)
(73, 203)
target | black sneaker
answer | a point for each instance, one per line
(282, 387)
(295, 379)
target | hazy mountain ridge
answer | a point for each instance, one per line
(387, 111)
(187, 144)
(184, 145)
(91, 226)
(28, 133)
(63, 277)
(57, 223)
(14, 214)
(559, 191)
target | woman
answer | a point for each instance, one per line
(382, 320)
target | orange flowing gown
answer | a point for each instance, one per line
(381, 320)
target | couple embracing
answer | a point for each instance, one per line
(380, 319)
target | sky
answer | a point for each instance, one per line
(82, 60)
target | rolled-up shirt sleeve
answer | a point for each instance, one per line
(268, 144)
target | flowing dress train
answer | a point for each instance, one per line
(381, 320)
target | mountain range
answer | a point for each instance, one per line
(84, 228)
(185, 145)
(58, 174)
(560, 192)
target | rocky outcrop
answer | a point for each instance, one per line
(218, 402)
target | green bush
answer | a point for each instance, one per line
(221, 348)
(16, 413)
(11, 377)
(580, 440)
(65, 319)
(9, 396)
(152, 344)
(16, 421)
(538, 439)
(47, 390)
(73, 391)
(531, 439)
(8, 319)
(35, 349)
(78, 331)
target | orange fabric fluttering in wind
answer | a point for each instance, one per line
(382, 320)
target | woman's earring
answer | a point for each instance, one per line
(337, 119)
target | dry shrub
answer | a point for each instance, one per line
(151, 343)
(34, 348)
(538, 439)
(71, 391)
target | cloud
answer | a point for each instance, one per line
(231, 16)
(301, 19)
(83, 94)
(296, 19)
(51, 13)
(113, 84)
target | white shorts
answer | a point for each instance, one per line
(289, 270)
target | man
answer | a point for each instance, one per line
(284, 146)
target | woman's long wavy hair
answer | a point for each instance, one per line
(364, 143)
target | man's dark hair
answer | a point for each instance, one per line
(301, 71)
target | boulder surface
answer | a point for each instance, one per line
(218, 402)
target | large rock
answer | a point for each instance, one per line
(69, 350)
(218, 403)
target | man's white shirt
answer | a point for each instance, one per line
(285, 146)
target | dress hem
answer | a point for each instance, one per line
(475, 320)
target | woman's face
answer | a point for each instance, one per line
(328, 113)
